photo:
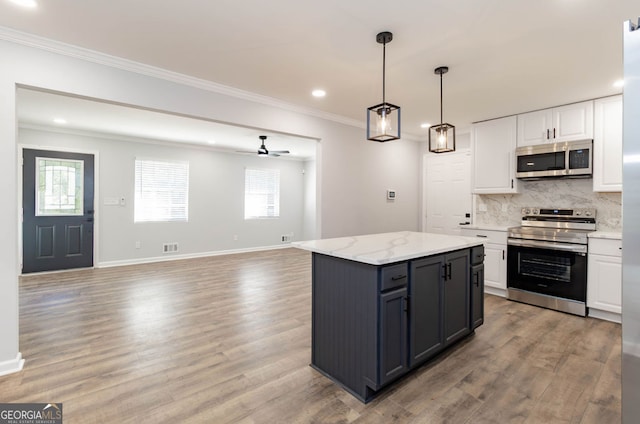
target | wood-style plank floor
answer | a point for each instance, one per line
(227, 340)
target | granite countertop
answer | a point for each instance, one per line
(385, 248)
(606, 235)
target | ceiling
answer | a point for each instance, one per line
(39, 109)
(505, 57)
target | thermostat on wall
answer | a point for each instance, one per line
(391, 194)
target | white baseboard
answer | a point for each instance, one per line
(495, 291)
(139, 261)
(605, 315)
(14, 365)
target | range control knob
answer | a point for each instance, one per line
(536, 212)
(578, 213)
(526, 211)
(588, 213)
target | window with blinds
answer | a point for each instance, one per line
(161, 191)
(261, 193)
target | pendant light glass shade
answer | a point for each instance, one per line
(442, 137)
(383, 120)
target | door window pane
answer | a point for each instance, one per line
(59, 187)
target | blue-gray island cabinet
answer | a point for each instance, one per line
(385, 304)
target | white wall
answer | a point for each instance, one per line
(353, 174)
(216, 198)
(309, 207)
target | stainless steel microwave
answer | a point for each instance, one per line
(572, 159)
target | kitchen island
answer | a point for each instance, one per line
(384, 304)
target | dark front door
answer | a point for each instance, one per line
(57, 201)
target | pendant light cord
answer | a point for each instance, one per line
(441, 115)
(384, 60)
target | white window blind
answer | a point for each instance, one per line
(161, 191)
(261, 193)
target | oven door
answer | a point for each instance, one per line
(553, 269)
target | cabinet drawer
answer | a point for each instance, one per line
(393, 276)
(489, 236)
(477, 255)
(608, 247)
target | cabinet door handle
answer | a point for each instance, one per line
(511, 182)
(476, 278)
(554, 133)
(449, 271)
(444, 270)
(481, 235)
(547, 134)
(503, 254)
(398, 277)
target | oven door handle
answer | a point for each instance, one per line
(577, 248)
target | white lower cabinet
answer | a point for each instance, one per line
(495, 259)
(604, 279)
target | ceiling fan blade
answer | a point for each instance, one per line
(282, 152)
(274, 154)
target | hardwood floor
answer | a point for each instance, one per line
(227, 340)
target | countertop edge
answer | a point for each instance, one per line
(461, 242)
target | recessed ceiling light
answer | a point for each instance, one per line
(619, 83)
(60, 121)
(318, 93)
(25, 3)
(425, 125)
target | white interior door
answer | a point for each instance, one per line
(447, 191)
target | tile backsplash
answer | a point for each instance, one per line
(556, 193)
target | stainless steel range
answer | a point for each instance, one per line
(547, 258)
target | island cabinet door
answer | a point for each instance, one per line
(477, 296)
(393, 335)
(425, 309)
(457, 305)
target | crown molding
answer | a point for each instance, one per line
(69, 50)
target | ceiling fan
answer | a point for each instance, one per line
(264, 151)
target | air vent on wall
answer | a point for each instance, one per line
(169, 247)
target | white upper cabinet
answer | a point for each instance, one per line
(563, 123)
(607, 144)
(494, 143)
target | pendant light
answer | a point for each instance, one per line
(442, 137)
(383, 120)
